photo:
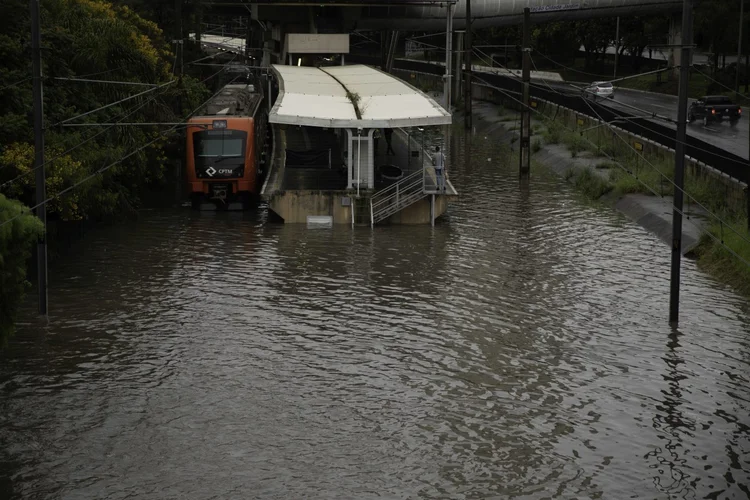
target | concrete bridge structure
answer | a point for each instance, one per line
(352, 15)
(270, 20)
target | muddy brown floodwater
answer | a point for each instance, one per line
(519, 349)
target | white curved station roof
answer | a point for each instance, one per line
(319, 97)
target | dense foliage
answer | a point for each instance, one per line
(716, 28)
(18, 232)
(97, 40)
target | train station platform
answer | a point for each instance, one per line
(324, 162)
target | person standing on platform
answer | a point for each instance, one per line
(375, 139)
(388, 139)
(438, 161)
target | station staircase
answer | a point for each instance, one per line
(397, 197)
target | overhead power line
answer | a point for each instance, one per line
(649, 188)
(114, 103)
(110, 165)
(121, 117)
(20, 82)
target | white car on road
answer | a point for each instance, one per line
(600, 89)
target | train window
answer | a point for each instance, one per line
(211, 146)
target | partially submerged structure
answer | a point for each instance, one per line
(324, 163)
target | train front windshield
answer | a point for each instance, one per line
(220, 143)
(219, 153)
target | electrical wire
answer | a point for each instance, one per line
(107, 167)
(222, 69)
(649, 188)
(721, 84)
(615, 100)
(664, 176)
(100, 72)
(89, 139)
(572, 69)
(484, 56)
(114, 103)
(510, 72)
(652, 115)
(16, 84)
(85, 141)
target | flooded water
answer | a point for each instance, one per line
(519, 349)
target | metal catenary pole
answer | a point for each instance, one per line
(617, 45)
(468, 40)
(679, 169)
(41, 191)
(525, 155)
(739, 51)
(448, 56)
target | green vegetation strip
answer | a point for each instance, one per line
(651, 174)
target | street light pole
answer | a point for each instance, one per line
(41, 191)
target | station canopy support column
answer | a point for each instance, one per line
(360, 159)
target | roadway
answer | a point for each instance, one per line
(718, 145)
(733, 139)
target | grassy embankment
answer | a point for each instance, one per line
(609, 180)
(652, 174)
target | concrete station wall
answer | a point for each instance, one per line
(295, 206)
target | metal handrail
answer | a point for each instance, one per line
(395, 202)
(400, 190)
(394, 186)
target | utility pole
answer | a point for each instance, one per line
(468, 40)
(448, 56)
(617, 47)
(178, 36)
(679, 168)
(248, 38)
(41, 191)
(178, 50)
(739, 51)
(525, 156)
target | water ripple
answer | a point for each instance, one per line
(519, 350)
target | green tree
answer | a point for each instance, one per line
(556, 40)
(105, 41)
(595, 35)
(716, 27)
(19, 230)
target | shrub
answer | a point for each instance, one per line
(576, 143)
(553, 134)
(591, 184)
(19, 230)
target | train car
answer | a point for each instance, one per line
(225, 149)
